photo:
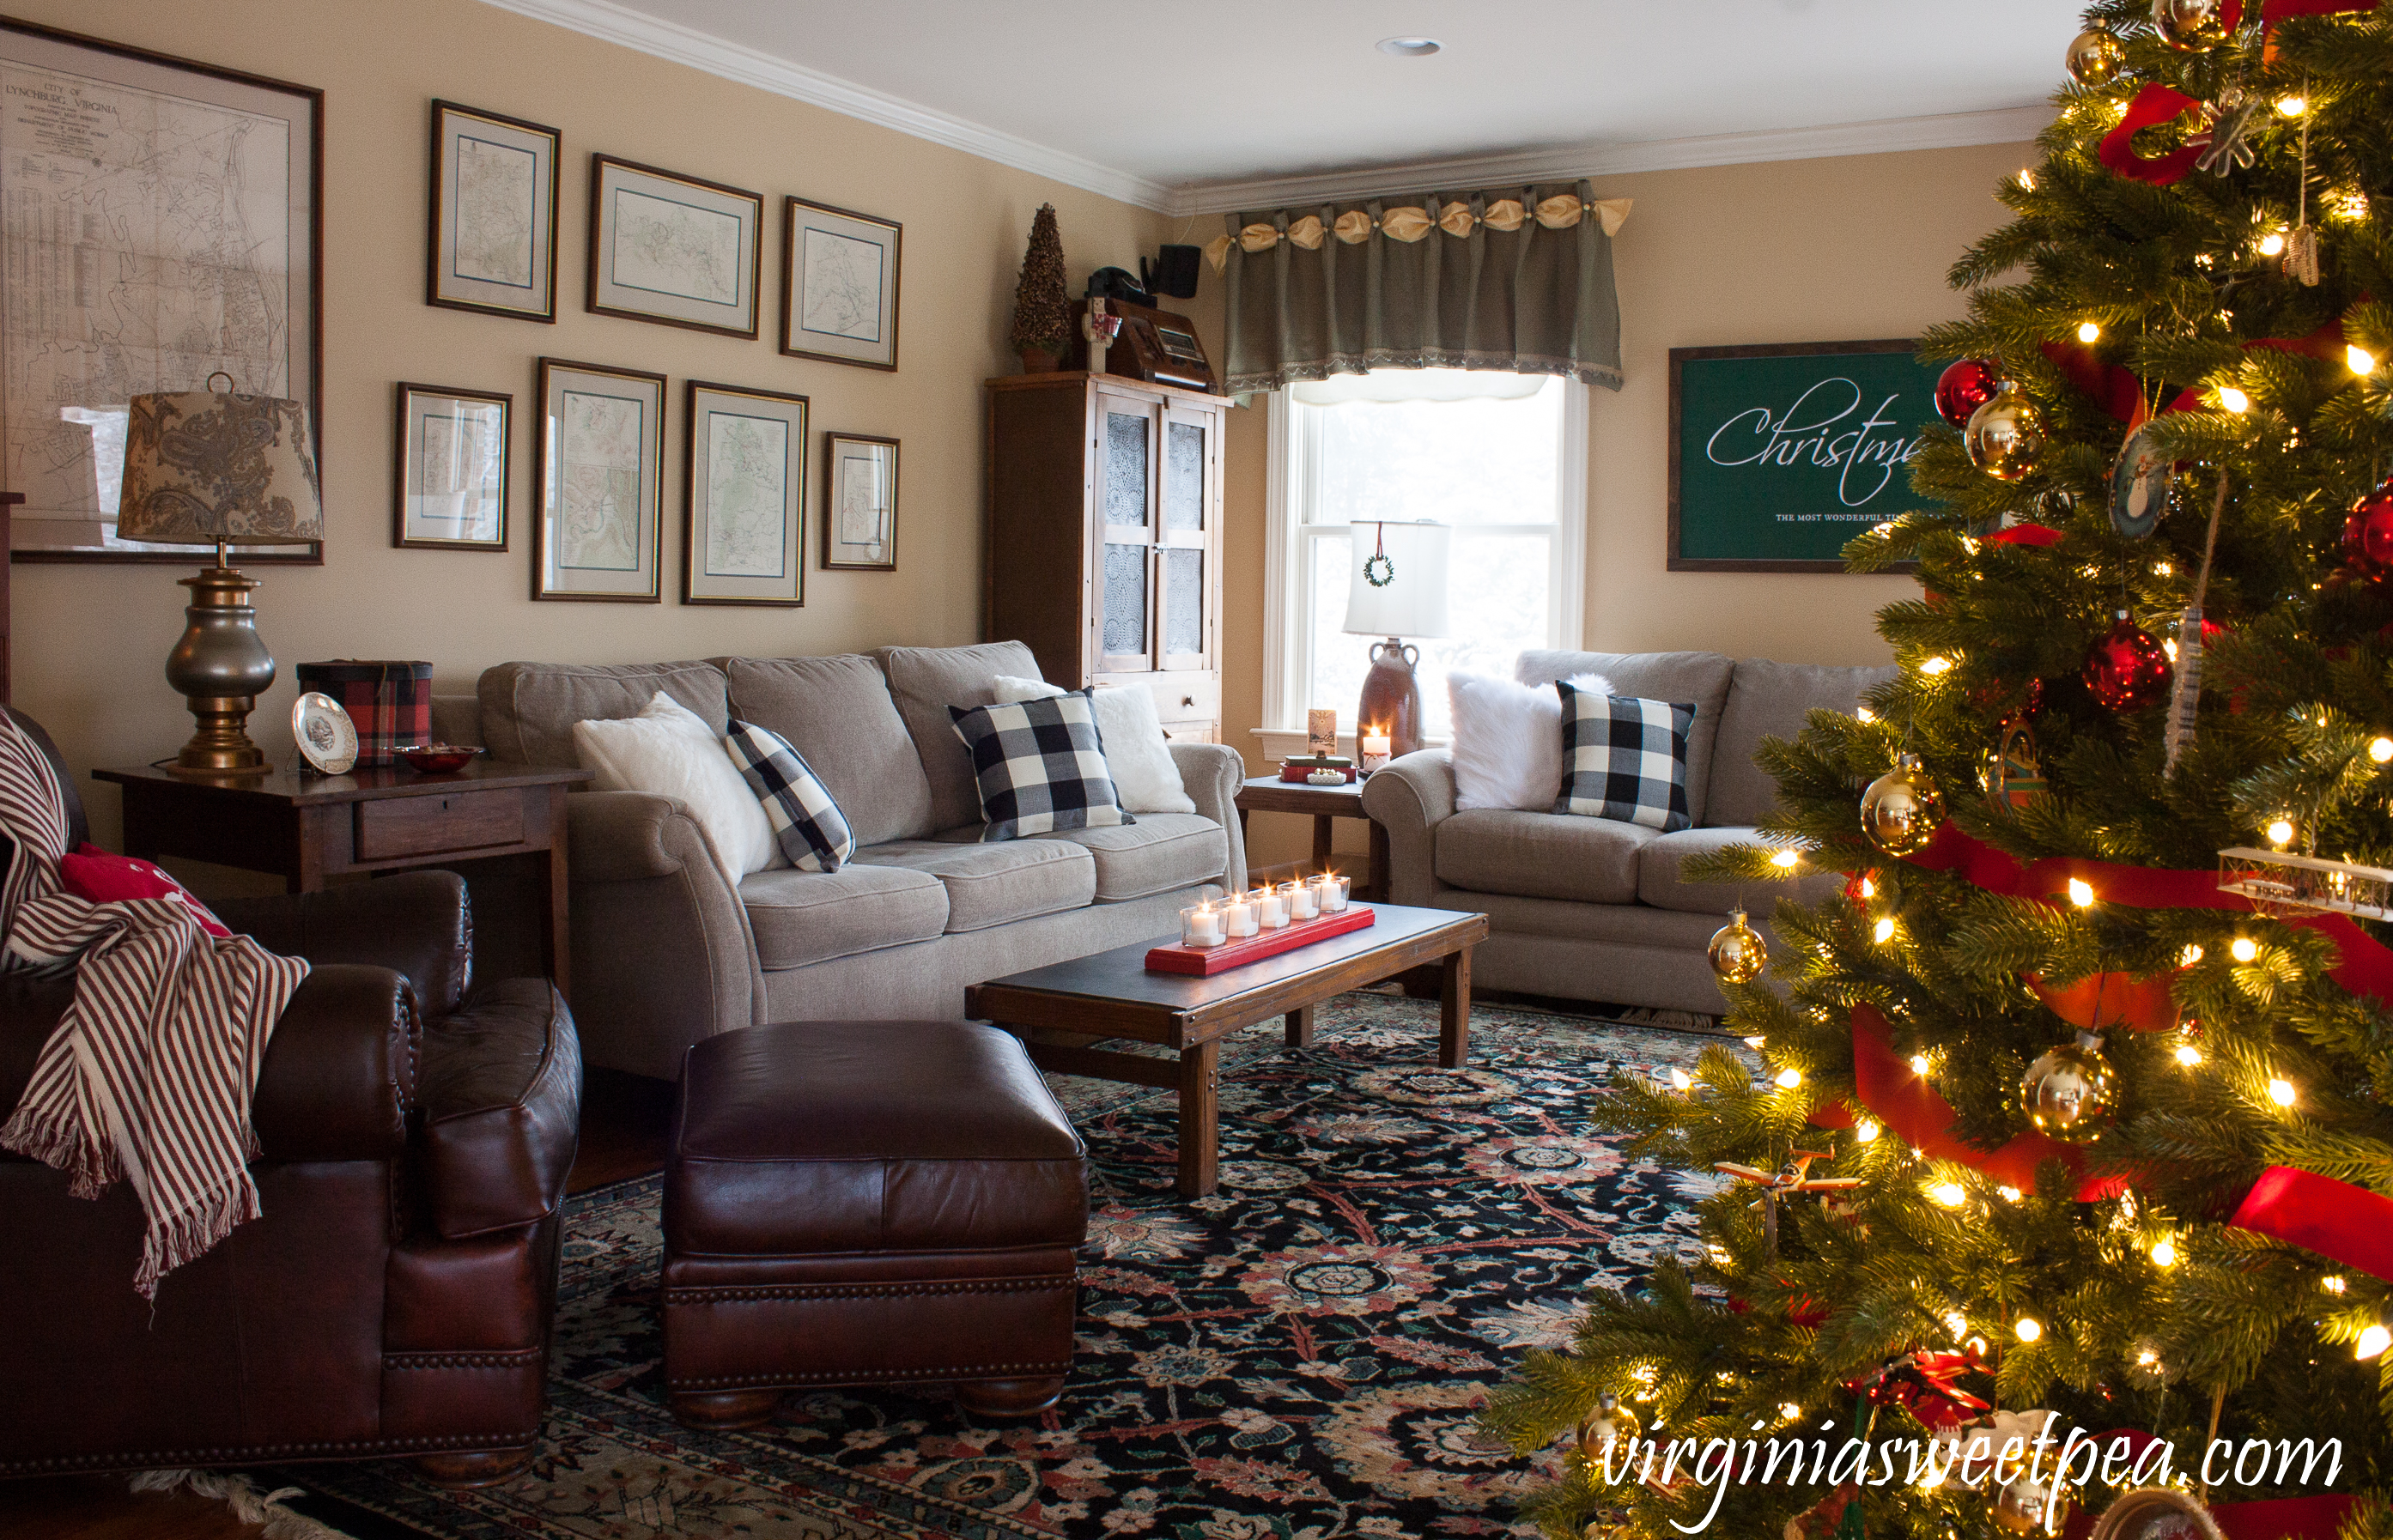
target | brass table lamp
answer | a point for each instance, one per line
(203, 466)
(1396, 589)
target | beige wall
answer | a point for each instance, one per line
(91, 641)
(1792, 250)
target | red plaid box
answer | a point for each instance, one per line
(390, 702)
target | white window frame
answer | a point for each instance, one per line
(1288, 640)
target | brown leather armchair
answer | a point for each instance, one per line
(396, 1297)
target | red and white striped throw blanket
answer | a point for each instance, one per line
(147, 1077)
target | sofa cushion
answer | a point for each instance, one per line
(1660, 884)
(1767, 699)
(1698, 678)
(995, 885)
(1624, 757)
(802, 916)
(925, 682)
(1541, 854)
(529, 710)
(838, 714)
(1160, 852)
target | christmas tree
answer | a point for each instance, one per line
(1043, 310)
(2064, 1118)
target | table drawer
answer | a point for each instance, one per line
(437, 825)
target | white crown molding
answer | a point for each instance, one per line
(615, 23)
(1469, 172)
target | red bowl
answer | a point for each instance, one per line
(437, 758)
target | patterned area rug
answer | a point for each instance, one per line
(1298, 1357)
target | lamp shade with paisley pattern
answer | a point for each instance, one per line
(202, 468)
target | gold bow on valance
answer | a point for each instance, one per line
(1412, 223)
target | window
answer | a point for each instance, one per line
(1498, 457)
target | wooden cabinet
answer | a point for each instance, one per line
(1104, 538)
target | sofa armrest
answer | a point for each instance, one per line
(663, 952)
(501, 1097)
(1409, 797)
(340, 1070)
(417, 922)
(1212, 772)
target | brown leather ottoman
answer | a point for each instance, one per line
(869, 1203)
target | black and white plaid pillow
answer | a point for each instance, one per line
(1624, 758)
(1041, 766)
(812, 830)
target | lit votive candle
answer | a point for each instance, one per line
(1237, 915)
(1304, 901)
(1200, 926)
(1270, 909)
(1333, 890)
(1373, 750)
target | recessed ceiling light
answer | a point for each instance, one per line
(1411, 48)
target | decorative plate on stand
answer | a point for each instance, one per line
(327, 738)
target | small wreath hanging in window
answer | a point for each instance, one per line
(1378, 571)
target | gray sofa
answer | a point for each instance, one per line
(665, 951)
(1594, 909)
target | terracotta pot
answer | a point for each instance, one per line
(1036, 362)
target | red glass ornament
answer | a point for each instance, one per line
(1966, 385)
(2368, 533)
(2024, 534)
(2127, 670)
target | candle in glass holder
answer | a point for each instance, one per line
(1200, 926)
(1237, 915)
(1371, 746)
(1271, 910)
(1333, 889)
(1304, 901)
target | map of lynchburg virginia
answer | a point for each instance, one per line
(146, 241)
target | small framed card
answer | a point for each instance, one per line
(860, 504)
(838, 285)
(672, 249)
(744, 521)
(449, 487)
(599, 460)
(493, 215)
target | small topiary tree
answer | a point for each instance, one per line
(1042, 310)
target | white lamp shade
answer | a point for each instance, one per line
(1410, 597)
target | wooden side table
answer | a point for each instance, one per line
(306, 828)
(1271, 794)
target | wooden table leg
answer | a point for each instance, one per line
(1200, 1118)
(556, 934)
(1321, 829)
(1300, 1028)
(1454, 1012)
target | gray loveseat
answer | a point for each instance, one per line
(1593, 909)
(665, 951)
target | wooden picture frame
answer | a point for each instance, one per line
(745, 446)
(1817, 435)
(246, 137)
(449, 484)
(859, 504)
(675, 250)
(491, 214)
(840, 280)
(596, 533)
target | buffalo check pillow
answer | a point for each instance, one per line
(1624, 758)
(1041, 766)
(808, 825)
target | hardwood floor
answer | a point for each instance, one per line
(626, 1121)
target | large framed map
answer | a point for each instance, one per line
(672, 249)
(598, 471)
(838, 285)
(744, 523)
(159, 220)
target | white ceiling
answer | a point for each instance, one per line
(1206, 104)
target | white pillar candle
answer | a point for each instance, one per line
(1373, 749)
(1333, 892)
(1304, 901)
(1237, 916)
(1271, 910)
(1200, 926)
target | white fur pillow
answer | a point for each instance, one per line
(1508, 740)
(668, 750)
(1137, 754)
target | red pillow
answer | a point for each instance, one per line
(93, 873)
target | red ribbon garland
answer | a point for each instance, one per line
(2334, 1218)
(2154, 104)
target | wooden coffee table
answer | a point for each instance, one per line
(1059, 1010)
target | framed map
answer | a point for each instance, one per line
(859, 508)
(672, 249)
(599, 461)
(493, 215)
(449, 487)
(743, 522)
(838, 285)
(161, 221)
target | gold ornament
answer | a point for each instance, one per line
(2189, 26)
(2094, 57)
(1610, 1421)
(2030, 1508)
(2005, 435)
(1901, 809)
(2070, 1092)
(1737, 952)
